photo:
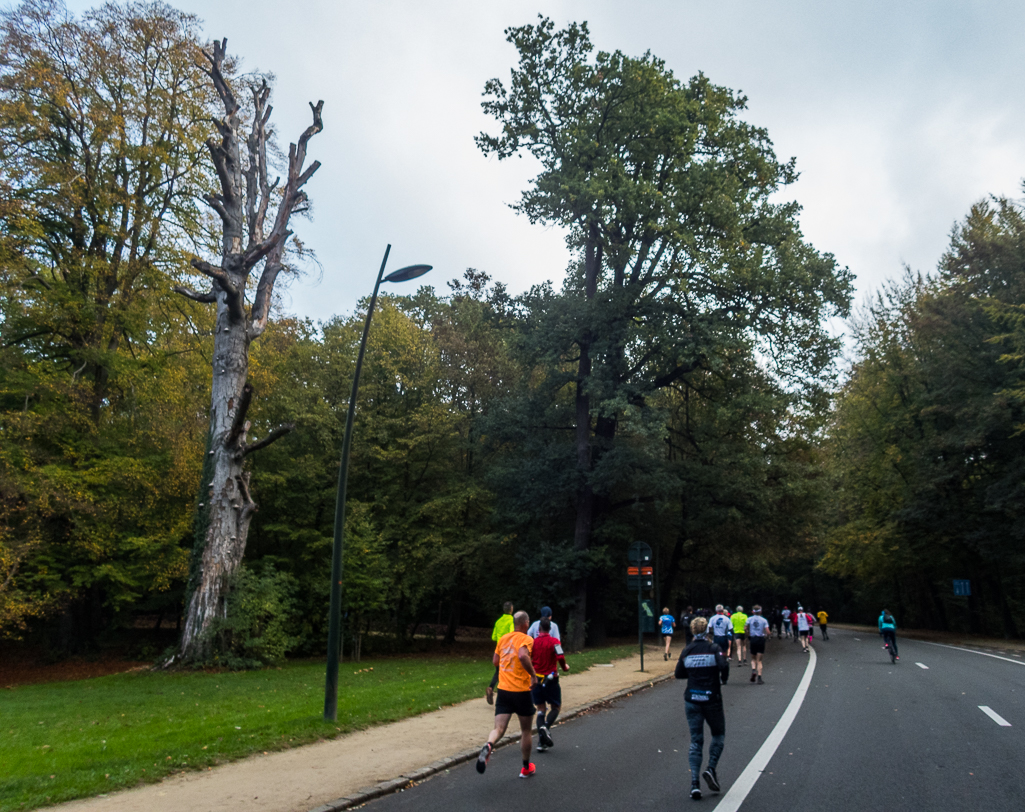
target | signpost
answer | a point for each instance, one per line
(639, 574)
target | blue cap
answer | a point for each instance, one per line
(546, 611)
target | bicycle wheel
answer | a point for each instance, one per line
(893, 656)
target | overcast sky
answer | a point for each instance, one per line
(900, 115)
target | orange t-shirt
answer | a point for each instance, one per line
(512, 676)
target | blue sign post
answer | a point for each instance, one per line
(962, 587)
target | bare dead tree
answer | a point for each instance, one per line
(226, 506)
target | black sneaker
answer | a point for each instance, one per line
(544, 737)
(760, 680)
(695, 792)
(482, 759)
(711, 779)
(752, 676)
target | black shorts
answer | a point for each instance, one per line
(517, 702)
(721, 642)
(547, 692)
(757, 645)
(739, 635)
(805, 633)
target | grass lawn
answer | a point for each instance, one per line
(65, 740)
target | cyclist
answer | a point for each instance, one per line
(888, 630)
(739, 621)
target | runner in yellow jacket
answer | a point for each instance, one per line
(739, 621)
(503, 626)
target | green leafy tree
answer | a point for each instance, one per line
(666, 196)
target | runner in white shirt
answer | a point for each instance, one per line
(535, 627)
(803, 622)
(786, 622)
(757, 628)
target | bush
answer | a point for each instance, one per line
(262, 615)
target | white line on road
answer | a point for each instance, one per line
(732, 800)
(996, 717)
(972, 651)
(922, 665)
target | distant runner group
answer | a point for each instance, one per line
(528, 658)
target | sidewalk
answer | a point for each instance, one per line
(303, 778)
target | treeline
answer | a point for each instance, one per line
(927, 443)
(678, 387)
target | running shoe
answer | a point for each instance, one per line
(760, 680)
(753, 675)
(482, 759)
(711, 779)
(545, 737)
(529, 770)
(695, 792)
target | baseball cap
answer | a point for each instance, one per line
(546, 611)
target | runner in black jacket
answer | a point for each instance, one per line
(705, 668)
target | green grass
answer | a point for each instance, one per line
(65, 740)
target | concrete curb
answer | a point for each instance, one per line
(409, 779)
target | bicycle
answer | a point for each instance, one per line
(890, 646)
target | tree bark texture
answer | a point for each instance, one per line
(225, 506)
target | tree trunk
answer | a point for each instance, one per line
(228, 507)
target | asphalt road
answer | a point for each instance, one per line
(868, 736)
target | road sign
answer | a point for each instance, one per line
(639, 554)
(639, 577)
(962, 587)
(648, 616)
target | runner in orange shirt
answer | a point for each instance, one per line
(516, 676)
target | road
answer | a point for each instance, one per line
(868, 736)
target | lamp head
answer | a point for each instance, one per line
(407, 273)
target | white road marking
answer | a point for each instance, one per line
(973, 651)
(922, 665)
(996, 717)
(732, 800)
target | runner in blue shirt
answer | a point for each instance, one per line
(668, 623)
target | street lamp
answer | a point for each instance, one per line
(334, 634)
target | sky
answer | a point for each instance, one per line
(900, 115)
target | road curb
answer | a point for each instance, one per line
(366, 794)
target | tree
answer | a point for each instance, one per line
(102, 122)
(665, 195)
(246, 193)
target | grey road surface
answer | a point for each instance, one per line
(869, 736)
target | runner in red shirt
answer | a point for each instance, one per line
(546, 653)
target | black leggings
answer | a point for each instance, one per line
(890, 637)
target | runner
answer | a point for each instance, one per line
(823, 617)
(503, 626)
(739, 621)
(757, 632)
(516, 676)
(888, 630)
(688, 616)
(547, 652)
(786, 622)
(535, 627)
(668, 623)
(721, 629)
(776, 621)
(706, 669)
(804, 623)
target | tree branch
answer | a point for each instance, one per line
(274, 436)
(206, 298)
(234, 296)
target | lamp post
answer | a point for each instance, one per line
(334, 634)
